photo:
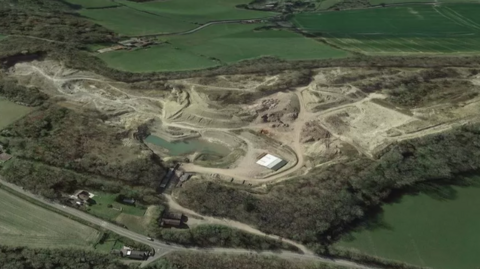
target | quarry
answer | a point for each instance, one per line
(221, 126)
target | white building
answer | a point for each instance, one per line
(271, 162)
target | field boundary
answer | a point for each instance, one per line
(49, 208)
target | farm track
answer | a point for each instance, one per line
(161, 248)
(241, 21)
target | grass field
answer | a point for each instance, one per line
(198, 11)
(25, 224)
(101, 209)
(127, 21)
(416, 29)
(11, 112)
(427, 230)
(156, 17)
(220, 44)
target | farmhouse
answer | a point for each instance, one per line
(271, 162)
(82, 197)
(135, 42)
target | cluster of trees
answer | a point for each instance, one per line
(198, 260)
(25, 258)
(350, 4)
(281, 6)
(21, 94)
(220, 236)
(318, 208)
(50, 19)
(60, 150)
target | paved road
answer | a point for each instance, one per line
(162, 248)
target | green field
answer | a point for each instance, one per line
(220, 44)
(427, 230)
(134, 18)
(127, 21)
(198, 11)
(100, 207)
(25, 224)
(416, 29)
(11, 112)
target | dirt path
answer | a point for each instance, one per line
(230, 223)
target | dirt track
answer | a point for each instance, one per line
(161, 248)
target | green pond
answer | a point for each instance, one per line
(426, 230)
(189, 146)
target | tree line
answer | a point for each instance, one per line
(319, 208)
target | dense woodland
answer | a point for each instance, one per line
(184, 260)
(220, 236)
(318, 208)
(50, 20)
(20, 94)
(59, 150)
(25, 258)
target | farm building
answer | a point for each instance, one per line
(82, 197)
(171, 219)
(166, 179)
(110, 49)
(127, 252)
(271, 162)
(128, 201)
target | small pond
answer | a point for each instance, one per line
(189, 146)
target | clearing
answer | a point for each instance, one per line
(25, 224)
(11, 112)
